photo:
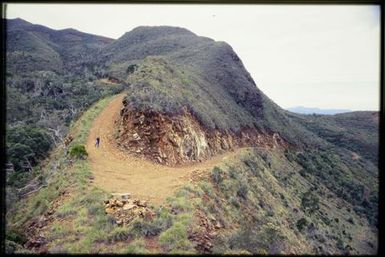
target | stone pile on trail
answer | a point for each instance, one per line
(124, 210)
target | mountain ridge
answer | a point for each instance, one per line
(303, 184)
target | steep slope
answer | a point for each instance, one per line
(356, 131)
(171, 71)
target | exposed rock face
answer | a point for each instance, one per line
(180, 138)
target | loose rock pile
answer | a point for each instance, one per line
(124, 210)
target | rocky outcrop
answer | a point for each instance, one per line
(204, 237)
(180, 138)
(123, 209)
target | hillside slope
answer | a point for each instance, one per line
(356, 131)
(172, 72)
(290, 207)
(33, 47)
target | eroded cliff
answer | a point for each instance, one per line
(178, 139)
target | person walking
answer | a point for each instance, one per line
(97, 142)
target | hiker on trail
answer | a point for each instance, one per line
(97, 142)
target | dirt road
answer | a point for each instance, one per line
(118, 172)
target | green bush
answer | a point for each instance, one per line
(18, 179)
(16, 237)
(234, 202)
(301, 224)
(242, 190)
(12, 247)
(136, 247)
(252, 165)
(65, 210)
(207, 188)
(175, 238)
(216, 175)
(310, 202)
(119, 234)
(78, 152)
(144, 228)
(350, 220)
(233, 173)
(180, 204)
(131, 68)
(303, 173)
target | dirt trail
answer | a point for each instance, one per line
(118, 172)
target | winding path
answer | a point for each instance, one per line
(117, 172)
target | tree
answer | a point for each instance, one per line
(26, 145)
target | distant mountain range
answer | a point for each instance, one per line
(311, 110)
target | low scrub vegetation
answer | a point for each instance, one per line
(78, 152)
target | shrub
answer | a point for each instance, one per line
(175, 238)
(310, 202)
(164, 219)
(131, 68)
(207, 188)
(78, 152)
(144, 228)
(119, 234)
(289, 156)
(340, 244)
(216, 175)
(15, 236)
(65, 210)
(233, 173)
(234, 202)
(18, 179)
(138, 246)
(302, 172)
(350, 220)
(95, 209)
(180, 204)
(12, 247)
(301, 224)
(242, 190)
(57, 231)
(252, 165)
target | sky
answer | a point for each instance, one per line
(325, 56)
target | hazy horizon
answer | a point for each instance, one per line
(325, 57)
